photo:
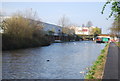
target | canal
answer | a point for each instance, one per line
(58, 61)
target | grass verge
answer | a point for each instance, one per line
(97, 69)
(117, 43)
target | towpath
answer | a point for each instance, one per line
(111, 66)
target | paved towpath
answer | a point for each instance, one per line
(111, 66)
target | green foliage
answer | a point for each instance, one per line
(97, 67)
(102, 51)
(98, 62)
(115, 9)
(100, 57)
(106, 45)
(93, 67)
(92, 72)
(89, 76)
(95, 31)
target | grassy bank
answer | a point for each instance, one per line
(117, 43)
(97, 69)
(12, 43)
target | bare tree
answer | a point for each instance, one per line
(28, 14)
(115, 29)
(64, 21)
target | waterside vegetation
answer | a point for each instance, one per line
(97, 69)
(21, 31)
(117, 43)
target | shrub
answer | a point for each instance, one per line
(100, 57)
(93, 67)
(89, 76)
(17, 26)
(102, 51)
(22, 32)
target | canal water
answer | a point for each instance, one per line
(58, 61)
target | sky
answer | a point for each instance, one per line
(78, 13)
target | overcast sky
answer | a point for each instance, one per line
(78, 12)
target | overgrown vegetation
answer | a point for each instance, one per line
(118, 44)
(22, 32)
(64, 22)
(97, 69)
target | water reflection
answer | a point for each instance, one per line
(66, 61)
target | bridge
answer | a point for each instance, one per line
(87, 37)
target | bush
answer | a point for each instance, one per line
(21, 32)
(89, 76)
(92, 72)
(93, 67)
(17, 26)
(100, 57)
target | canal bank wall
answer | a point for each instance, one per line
(96, 71)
